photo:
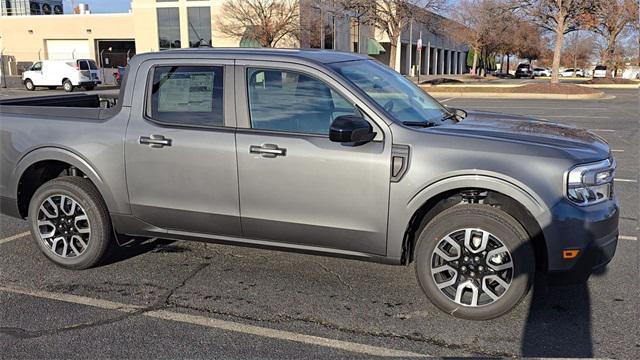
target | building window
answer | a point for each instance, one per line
(169, 28)
(329, 31)
(199, 26)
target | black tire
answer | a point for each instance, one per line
(67, 85)
(28, 84)
(52, 87)
(490, 219)
(87, 196)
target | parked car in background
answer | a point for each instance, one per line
(524, 70)
(66, 73)
(631, 73)
(119, 75)
(318, 152)
(600, 71)
(541, 72)
(571, 72)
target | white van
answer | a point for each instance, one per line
(66, 73)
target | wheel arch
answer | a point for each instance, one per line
(48, 163)
(515, 199)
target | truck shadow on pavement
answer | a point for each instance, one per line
(559, 319)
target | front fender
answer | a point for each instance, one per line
(401, 211)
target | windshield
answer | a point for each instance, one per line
(401, 98)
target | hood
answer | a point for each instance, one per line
(579, 143)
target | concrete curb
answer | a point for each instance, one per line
(481, 95)
(611, 86)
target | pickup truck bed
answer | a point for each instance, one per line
(86, 106)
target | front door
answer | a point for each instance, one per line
(181, 163)
(296, 186)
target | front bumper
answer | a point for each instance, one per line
(592, 230)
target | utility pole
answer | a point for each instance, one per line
(575, 53)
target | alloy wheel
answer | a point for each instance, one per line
(63, 226)
(472, 267)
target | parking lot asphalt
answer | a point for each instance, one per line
(166, 299)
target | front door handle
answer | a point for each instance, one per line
(155, 141)
(267, 150)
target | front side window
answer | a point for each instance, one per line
(290, 101)
(187, 95)
(37, 66)
(402, 99)
(168, 28)
(199, 26)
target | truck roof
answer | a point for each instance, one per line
(312, 55)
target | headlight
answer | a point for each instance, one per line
(591, 183)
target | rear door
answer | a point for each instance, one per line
(297, 186)
(180, 147)
(95, 73)
(85, 71)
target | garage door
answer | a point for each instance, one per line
(67, 49)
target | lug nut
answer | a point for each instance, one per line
(472, 274)
(480, 268)
(463, 268)
(466, 258)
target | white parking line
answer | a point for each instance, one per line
(282, 335)
(578, 116)
(625, 180)
(632, 238)
(445, 100)
(616, 150)
(219, 324)
(14, 237)
(603, 130)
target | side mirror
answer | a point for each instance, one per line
(351, 129)
(459, 113)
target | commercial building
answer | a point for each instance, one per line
(154, 25)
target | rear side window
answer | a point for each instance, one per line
(92, 65)
(83, 65)
(187, 95)
(601, 67)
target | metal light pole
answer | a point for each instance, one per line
(2, 68)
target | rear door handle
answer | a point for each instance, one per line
(155, 141)
(267, 150)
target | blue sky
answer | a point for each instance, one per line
(101, 6)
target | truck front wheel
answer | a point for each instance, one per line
(70, 223)
(28, 84)
(67, 85)
(474, 261)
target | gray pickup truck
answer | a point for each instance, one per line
(317, 152)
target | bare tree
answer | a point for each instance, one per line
(579, 51)
(482, 26)
(613, 16)
(529, 41)
(392, 16)
(560, 17)
(266, 21)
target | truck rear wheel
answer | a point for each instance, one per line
(28, 84)
(474, 261)
(67, 85)
(70, 223)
